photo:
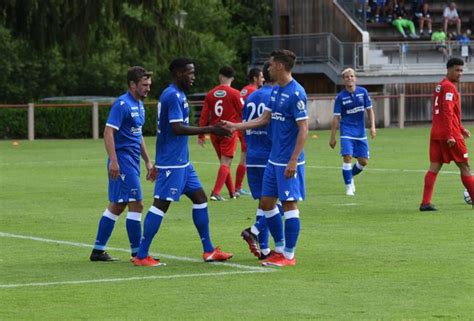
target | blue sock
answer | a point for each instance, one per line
(106, 226)
(292, 231)
(263, 232)
(347, 173)
(201, 221)
(134, 230)
(150, 228)
(275, 225)
(357, 168)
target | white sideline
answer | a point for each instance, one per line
(171, 257)
(135, 278)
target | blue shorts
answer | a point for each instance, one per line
(171, 183)
(354, 147)
(255, 180)
(275, 184)
(126, 188)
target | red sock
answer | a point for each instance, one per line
(222, 174)
(468, 182)
(430, 179)
(239, 176)
(230, 184)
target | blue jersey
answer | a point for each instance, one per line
(258, 140)
(172, 150)
(351, 108)
(127, 116)
(288, 106)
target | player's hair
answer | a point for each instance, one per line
(266, 73)
(136, 73)
(345, 71)
(179, 64)
(455, 61)
(284, 56)
(254, 72)
(227, 71)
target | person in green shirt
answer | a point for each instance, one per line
(440, 38)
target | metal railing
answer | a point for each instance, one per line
(325, 48)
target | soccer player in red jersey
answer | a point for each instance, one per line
(255, 77)
(447, 134)
(222, 103)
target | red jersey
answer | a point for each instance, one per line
(446, 111)
(221, 103)
(247, 90)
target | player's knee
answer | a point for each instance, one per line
(117, 208)
(363, 161)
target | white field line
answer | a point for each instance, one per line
(369, 169)
(171, 257)
(135, 278)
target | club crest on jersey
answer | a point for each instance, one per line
(220, 93)
(438, 89)
(173, 191)
(449, 96)
(300, 104)
(243, 92)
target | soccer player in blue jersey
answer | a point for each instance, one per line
(284, 177)
(259, 146)
(124, 144)
(349, 110)
(175, 174)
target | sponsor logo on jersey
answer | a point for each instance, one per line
(285, 95)
(135, 114)
(449, 96)
(136, 130)
(134, 108)
(345, 102)
(220, 93)
(355, 110)
(256, 132)
(300, 104)
(278, 116)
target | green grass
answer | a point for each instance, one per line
(373, 256)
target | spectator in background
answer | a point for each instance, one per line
(400, 20)
(464, 44)
(423, 14)
(380, 8)
(440, 38)
(451, 17)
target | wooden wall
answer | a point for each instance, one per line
(312, 16)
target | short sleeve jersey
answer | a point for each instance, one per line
(172, 150)
(221, 103)
(127, 116)
(446, 112)
(258, 140)
(288, 106)
(246, 91)
(351, 108)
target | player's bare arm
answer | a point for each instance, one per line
(261, 121)
(114, 169)
(290, 170)
(373, 130)
(218, 129)
(150, 169)
(334, 124)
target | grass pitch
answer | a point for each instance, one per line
(372, 256)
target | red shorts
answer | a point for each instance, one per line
(243, 145)
(225, 146)
(440, 152)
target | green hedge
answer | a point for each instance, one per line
(71, 122)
